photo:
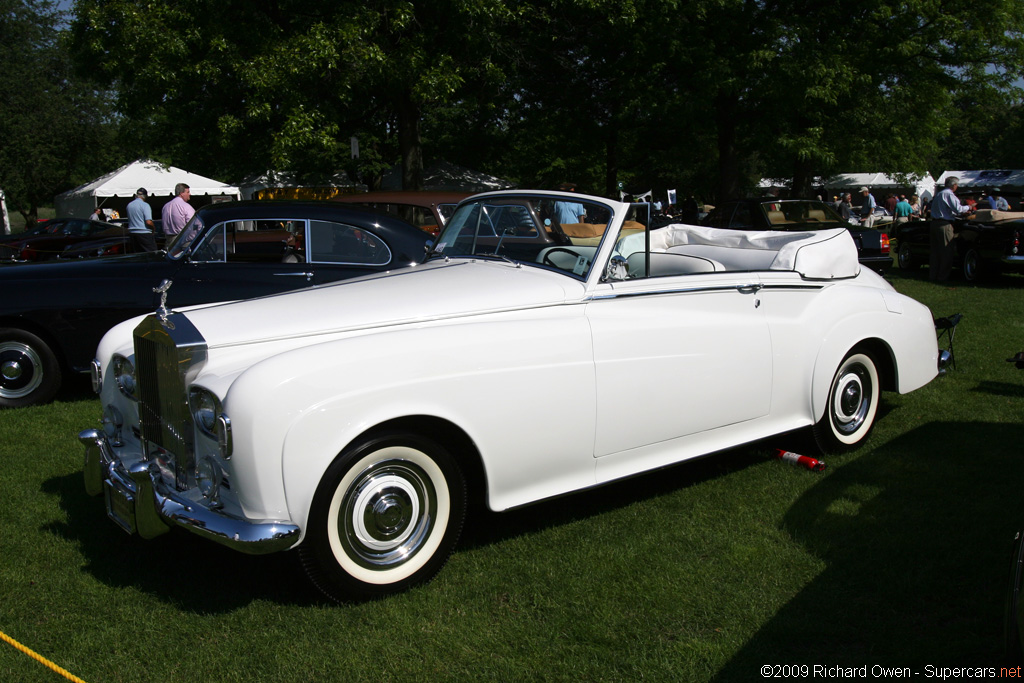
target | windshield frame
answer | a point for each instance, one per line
(549, 236)
(179, 245)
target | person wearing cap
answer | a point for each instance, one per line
(140, 222)
(867, 208)
(946, 208)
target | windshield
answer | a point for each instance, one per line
(561, 232)
(179, 244)
(788, 212)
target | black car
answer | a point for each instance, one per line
(988, 242)
(53, 315)
(772, 213)
(49, 239)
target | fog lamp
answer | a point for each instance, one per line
(113, 421)
(208, 476)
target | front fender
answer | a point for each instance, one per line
(520, 385)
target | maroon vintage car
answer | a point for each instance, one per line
(426, 210)
(48, 240)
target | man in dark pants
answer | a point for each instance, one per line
(946, 208)
(140, 222)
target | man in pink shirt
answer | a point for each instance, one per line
(177, 212)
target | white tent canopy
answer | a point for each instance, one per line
(118, 187)
(923, 187)
(5, 228)
(852, 182)
(987, 180)
(276, 184)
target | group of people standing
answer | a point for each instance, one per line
(174, 215)
(902, 208)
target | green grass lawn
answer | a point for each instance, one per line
(898, 554)
(18, 221)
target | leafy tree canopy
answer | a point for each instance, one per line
(55, 129)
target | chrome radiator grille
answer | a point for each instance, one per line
(167, 355)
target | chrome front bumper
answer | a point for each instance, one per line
(139, 502)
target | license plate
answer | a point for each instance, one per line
(120, 506)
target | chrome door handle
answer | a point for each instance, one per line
(751, 288)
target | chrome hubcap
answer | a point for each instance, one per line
(21, 370)
(387, 514)
(851, 402)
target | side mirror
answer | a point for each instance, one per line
(618, 269)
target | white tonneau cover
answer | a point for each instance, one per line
(816, 254)
(995, 216)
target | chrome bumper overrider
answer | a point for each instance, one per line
(139, 502)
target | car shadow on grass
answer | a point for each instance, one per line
(485, 527)
(195, 574)
(916, 537)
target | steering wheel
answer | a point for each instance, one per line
(547, 257)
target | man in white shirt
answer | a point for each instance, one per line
(946, 208)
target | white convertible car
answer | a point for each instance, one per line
(349, 421)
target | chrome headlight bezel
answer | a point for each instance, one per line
(210, 419)
(124, 376)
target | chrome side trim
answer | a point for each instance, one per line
(747, 288)
(155, 508)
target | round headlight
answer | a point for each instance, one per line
(205, 409)
(124, 375)
(208, 476)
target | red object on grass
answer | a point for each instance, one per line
(812, 464)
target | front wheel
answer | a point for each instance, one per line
(386, 516)
(29, 372)
(852, 405)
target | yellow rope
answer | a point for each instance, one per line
(42, 660)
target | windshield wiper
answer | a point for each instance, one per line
(517, 264)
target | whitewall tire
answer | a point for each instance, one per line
(386, 516)
(852, 405)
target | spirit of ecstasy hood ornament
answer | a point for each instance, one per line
(162, 311)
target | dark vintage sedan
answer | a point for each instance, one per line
(771, 213)
(987, 242)
(48, 240)
(52, 315)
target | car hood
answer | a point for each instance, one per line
(109, 266)
(418, 294)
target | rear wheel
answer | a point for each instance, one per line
(905, 257)
(971, 265)
(386, 516)
(29, 371)
(852, 405)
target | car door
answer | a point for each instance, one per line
(242, 259)
(678, 355)
(337, 251)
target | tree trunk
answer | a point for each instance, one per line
(611, 164)
(409, 143)
(802, 180)
(726, 106)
